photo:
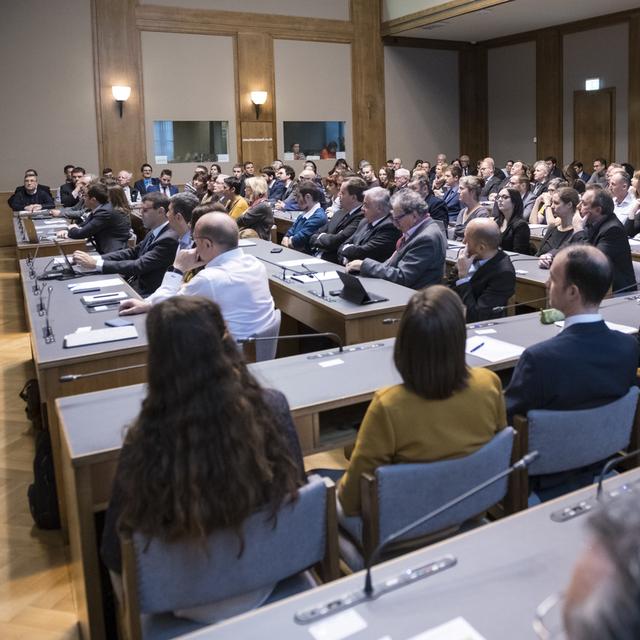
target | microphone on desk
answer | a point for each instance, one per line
(517, 304)
(30, 262)
(610, 465)
(408, 576)
(317, 277)
(325, 334)
(72, 377)
(47, 331)
(285, 269)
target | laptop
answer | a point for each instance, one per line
(353, 291)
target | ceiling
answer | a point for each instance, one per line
(516, 16)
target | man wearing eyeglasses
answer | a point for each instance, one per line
(522, 185)
(418, 260)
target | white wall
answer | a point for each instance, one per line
(422, 103)
(332, 9)
(313, 83)
(512, 102)
(48, 113)
(599, 53)
(392, 9)
(175, 88)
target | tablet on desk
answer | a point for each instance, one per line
(354, 291)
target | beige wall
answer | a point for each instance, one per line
(313, 82)
(48, 114)
(178, 85)
(332, 9)
(392, 9)
(512, 102)
(422, 101)
(600, 53)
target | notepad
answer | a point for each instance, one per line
(456, 629)
(326, 275)
(299, 263)
(80, 287)
(99, 336)
(491, 349)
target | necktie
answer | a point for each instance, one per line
(401, 242)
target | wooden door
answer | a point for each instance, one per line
(594, 125)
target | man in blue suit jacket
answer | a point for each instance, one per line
(309, 221)
(587, 364)
(451, 195)
(165, 187)
(143, 185)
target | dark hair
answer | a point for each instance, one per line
(157, 199)
(551, 159)
(629, 170)
(184, 204)
(217, 166)
(195, 461)
(601, 161)
(98, 191)
(289, 171)
(146, 164)
(602, 199)
(107, 170)
(200, 168)
(233, 183)
(118, 198)
(569, 196)
(78, 170)
(309, 187)
(247, 163)
(429, 349)
(590, 270)
(356, 187)
(30, 172)
(166, 172)
(522, 180)
(516, 201)
(340, 162)
(201, 209)
(311, 162)
(68, 166)
(268, 171)
(455, 170)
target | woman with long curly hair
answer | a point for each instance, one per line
(209, 447)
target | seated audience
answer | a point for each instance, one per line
(437, 207)
(237, 281)
(418, 260)
(599, 175)
(492, 177)
(376, 235)
(309, 221)
(485, 277)
(602, 229)
(209, 448)
(582, 174)
(554, 169)
(469, 194)
(541, 177)
(522, 185)
(78, 211)
(124, 180)
(343, 224)
(108, 225)
(257, 220)
(215, 170)
(275, 188)
(145, 264)
(587, 364)
(285, 175)
(236, 204)
(203, 171)
(451, 195)
(164, 186)
(564, 203)
(441, 410)
(401, 177)
(210, 195)
(541, 211)
(369, 176)
(515, 231)
(625, 204)
(31, 196)
(146, 182)
(386, 178)
(70, 190)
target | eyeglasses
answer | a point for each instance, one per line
(503, 197)
(402, 215)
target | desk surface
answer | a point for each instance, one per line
(44, 228)
(504, 571)
(302, 379)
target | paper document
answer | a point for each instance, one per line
(537, 226)
(337, 627)
(614, 326)
(55, 223)
(327, 275)
(298, 263)
(492, 350)
(79, 287)
(457, 629)
(245, 242)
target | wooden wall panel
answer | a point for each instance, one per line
(367, 83)
(7, 236)
(474, 102)
(634, 90)
(118, 60)
(549, 94)
(258, 144)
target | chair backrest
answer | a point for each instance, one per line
(266, 349)
(169, 576)
(273, 234)
(409, 491)
(572, 439)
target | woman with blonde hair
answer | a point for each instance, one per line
(257, 220)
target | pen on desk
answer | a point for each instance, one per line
(478, 346)
(85, 290)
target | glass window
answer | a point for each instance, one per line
(191, 140)
(313, 140)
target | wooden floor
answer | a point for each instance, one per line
(35, 594)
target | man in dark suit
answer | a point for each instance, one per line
(587, 364)
(602, 229)
(31, 197)
(486, 278)
(540, 178)
(493, 178)
(145, 264)
(70, 190)
(343, 224)
(418, 260)
(437, 208)
(451, 194)
(376, 235)
(164, 186)
(142, 185)
(106, 227)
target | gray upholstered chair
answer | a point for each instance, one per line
(396, 495)
(264, 349)
(160, 578)
(571, 440)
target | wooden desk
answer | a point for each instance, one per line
(504, 571)
(26, 248)
(301, 302)
(52, 360)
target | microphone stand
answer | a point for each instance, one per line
(285, 269)
(610, 465)
(47, 331)
(72, 377)
(317, 277)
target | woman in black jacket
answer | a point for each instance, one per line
(513, 227)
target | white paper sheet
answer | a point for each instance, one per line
(79, 287)
(456, 629)
(342, 625)
(492, 350)
(327, 275)
(298, 263)
(245, 242)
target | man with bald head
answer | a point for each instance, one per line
(486, 278)
(493, 179)
(237, 281)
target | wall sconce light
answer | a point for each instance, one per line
(258, 98)
(121, 95)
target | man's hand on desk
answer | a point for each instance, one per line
(286, 242)
(187, 259)
(545, 261)
(33, 207)
(279, 205)
(354, 266)
(62, 235)
(55, 213)
(84, 260)
(133, 307)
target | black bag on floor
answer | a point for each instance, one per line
(31, 395)
(42, 494)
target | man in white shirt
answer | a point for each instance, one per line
(236, 281)
(124, 180)
(625, 204)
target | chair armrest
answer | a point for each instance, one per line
(129, 608)
(329, 567)
(370, 514)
